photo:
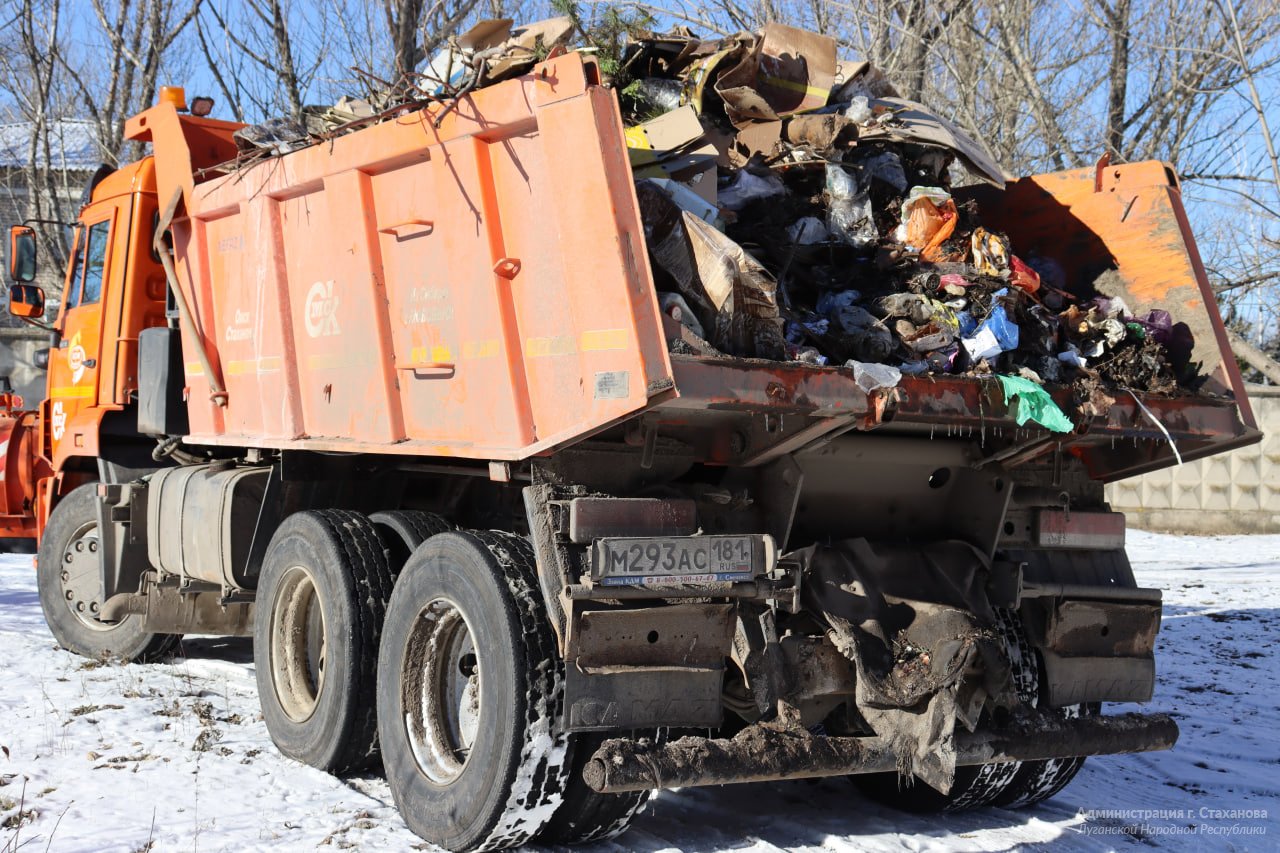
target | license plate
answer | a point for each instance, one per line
(678, 560)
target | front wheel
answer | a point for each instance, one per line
(69, 578)
(469, 694)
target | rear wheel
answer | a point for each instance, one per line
(585, 815)
(403, 530)
(470, 694)
(322, 596)
(69, 578)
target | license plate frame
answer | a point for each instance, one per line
(679, 560)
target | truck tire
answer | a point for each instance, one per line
(69, 580)
(322, 596)
(585, 815)
(470, 695)
(1037, 781)
(403, 530)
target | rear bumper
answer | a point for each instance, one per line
(765, 753)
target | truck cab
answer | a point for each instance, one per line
(114, 287)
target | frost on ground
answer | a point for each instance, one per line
(175, 756)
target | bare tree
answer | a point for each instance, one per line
(138, 33)
(29, 67)
(253, 55)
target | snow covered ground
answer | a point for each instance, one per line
(175, 757)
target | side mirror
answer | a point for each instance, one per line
(22, 254)
(26, 300)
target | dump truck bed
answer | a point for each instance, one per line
(481, 290)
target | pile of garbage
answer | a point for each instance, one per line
(797, 209)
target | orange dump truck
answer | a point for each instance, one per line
(402, 405)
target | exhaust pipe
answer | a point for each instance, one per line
(769, 753)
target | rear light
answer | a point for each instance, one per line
(1093, 531)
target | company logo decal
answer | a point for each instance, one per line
(59, 421)
(75, 359)
(321, 310)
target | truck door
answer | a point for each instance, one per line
(73, 365)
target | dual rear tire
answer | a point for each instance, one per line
(468, 679)
(322, 596)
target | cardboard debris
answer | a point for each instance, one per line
(665, 148)
(522, 46)
(912, 122)
(788, 71)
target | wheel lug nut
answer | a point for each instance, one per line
(80, 606)
(70, 595)
(93, 546)
(93, 607)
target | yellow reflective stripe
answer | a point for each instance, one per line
(437, 354)
(602, 339)
(481, 349)
(559, 345)
(72, 391)
(241, 367)
(194, 368)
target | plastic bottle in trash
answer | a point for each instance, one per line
(849, 214)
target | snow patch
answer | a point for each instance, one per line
(114, 779)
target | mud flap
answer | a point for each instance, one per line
(1094, 651)
(649, 667)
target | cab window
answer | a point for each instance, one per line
(95, 262)
(85, 286)
(72, 296)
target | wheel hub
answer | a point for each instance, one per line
(441, 691)
(80, 577)
(298, 644)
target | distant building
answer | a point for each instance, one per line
(66, 163)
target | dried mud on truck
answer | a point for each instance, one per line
(562, 435)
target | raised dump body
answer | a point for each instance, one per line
(482, 290)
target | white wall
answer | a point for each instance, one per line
(1236, 492)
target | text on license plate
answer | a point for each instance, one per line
(691, 559)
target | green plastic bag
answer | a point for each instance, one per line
(1034, 404)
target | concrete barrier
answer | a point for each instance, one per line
(1236, 492)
